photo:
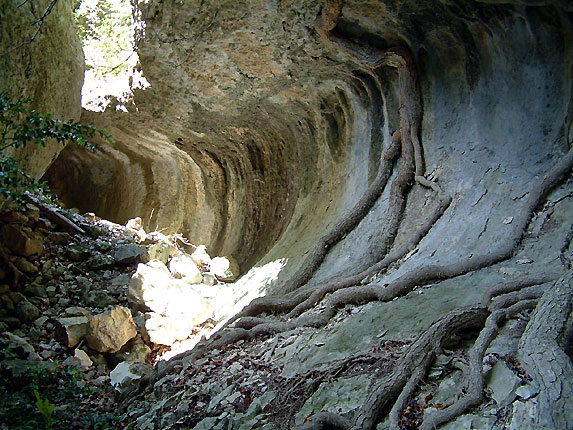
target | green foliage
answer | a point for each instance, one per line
(106, 28)
(78, 405)
(46, 408)
(19, 126)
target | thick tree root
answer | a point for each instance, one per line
(418, 358)
(545, 361)
(350, 221)
(474, 380)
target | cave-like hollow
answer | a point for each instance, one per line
(267, 126)
(257, 134)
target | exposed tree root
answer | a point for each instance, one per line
(351, 220)
(545, 361)
(418, 358)
(474, 379)
(326, 421)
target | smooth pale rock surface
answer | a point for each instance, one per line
(225, 268)
(50, 70)
(144, 284)
(153, 286)
(165, 330)
(83, 358)
(127, 372)
(184, 267)
(109, 331)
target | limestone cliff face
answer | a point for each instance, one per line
(258, 133)
(41, 58)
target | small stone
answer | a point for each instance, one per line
(109, 331)
(524, 261)
(98, 299)
(103, 246)
(77, 253)
(209, 279)
(35, 289)
(47, 354)
(41, 321)
(134, 350)
(183, 266)
(21, 241)
(508, 220)
(16, 343)
(225, 268)
(84, 359)
(201, 256)
(70, 331)
(134, 224)
(26, 311)
(59, 237)
(25, 266)
(158, 251)
(92, 230)
(503, 383)
(127, 372)
(101, 261)
(77, 311)
(129, 254)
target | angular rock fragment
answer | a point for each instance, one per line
(71, 331)
(130, 253)
(22, 242)
(109, 331)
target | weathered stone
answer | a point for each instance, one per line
(25, 266)
(78, 311)
(77, 253)
(21, 242)
(26, 311)
(101, 261)
(60, 237)
(98, 298)
(130, 253)
(15, 343)
(158, 251)
(103, 246)
(503, 383)
(109, 331)
(183, 266)
(70, 331)
(225, 268)
(165, 330)
(92, 230)
(174, 299)
(127, 372)
(134, 350)
(35, 289)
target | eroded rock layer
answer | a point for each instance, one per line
(353, 152)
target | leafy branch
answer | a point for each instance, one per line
(21, 125)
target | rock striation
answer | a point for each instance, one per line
(392, 177)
